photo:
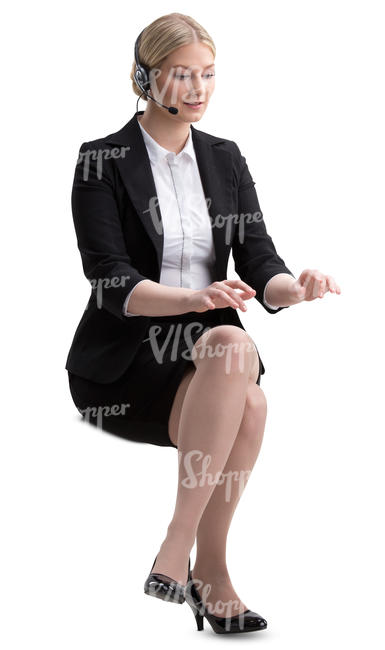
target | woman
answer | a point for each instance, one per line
(160, 354)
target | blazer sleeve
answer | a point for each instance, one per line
(99, 233)
(256, 260)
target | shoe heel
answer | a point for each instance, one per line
(198, 617)
(199, 621)
(247, 621)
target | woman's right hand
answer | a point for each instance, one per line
(221, 294)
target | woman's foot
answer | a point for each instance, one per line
(217, 593)
(173, 556)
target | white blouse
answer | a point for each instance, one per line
(188, 249)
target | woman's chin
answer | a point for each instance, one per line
(193, 115)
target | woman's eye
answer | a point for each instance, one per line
(185, 76)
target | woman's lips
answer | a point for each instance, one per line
(193, 106)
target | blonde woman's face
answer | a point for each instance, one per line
(185, 77)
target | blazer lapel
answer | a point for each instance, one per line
(215, 168)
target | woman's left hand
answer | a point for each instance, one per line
(313, 284)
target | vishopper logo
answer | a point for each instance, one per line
(159, 350)
(154, 587)
(199, 349)
(196, 463)
(99, 284)
(99, 155)
(222, 608)
(99, 412)
(182, 74)
(218, 221)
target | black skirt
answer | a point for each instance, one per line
(137, 405)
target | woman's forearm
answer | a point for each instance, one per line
(277, 290)
(153, 299)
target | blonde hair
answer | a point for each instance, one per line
(163, 36)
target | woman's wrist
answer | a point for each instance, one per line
(279, 290)
(187, 299)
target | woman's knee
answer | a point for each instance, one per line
(227, 342)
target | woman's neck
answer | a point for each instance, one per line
(164, 128)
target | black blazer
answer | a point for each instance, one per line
(121, 243)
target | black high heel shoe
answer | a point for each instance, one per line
(164, 587)
(246, 621)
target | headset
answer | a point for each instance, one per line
(142, 78)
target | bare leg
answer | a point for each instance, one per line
(211, 414)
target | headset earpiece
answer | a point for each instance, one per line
(141, 74)
(142, 79)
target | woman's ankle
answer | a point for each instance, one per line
(212, 571)
(180, 535)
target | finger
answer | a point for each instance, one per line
(246, 295)
(301, 293)
(316, 285)
(225, 296)
(236, 297)
(322, 286)
(209, 303)
(308, 284)
(234, 294)
(241, 285)
(331, 284)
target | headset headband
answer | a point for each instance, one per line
(136, 48)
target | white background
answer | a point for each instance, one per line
(299, 87)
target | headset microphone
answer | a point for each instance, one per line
(142, 78)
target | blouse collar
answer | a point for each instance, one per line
(156, 152)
